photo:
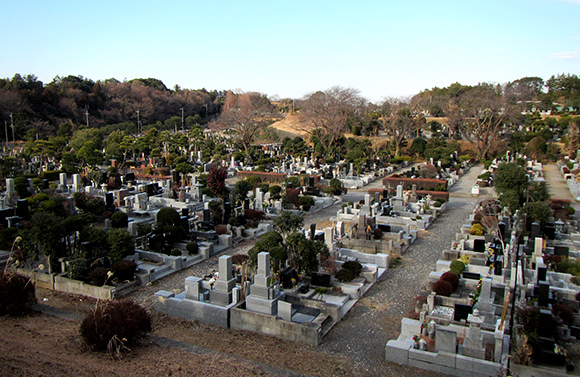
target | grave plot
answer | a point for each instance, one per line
(285, 305)
(482, 282)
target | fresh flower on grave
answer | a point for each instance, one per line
(491, 266)
(211, 282)
(416, 338)
(293, 281)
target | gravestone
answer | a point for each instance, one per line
(542, 272)
(445, 340)
(543, 293)
(222, 292)
(479, 245)
(471, 275)
(550, 232)
(473, 342)
(536, 230)
(312, 231)
(285, 310)
(193, 288)
(264, 293)
(562, 251)
(461, 311)
(320, 279)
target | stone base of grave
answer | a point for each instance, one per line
(262, 305)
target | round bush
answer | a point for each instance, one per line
(115, 323)
(99, 275)
(452, 278)
(564, 312)
(377, 234)
(124, 270)
(344, 275)
(192, 248)
(17, 294)
(457, 266)
(353, 266)
(442, 288)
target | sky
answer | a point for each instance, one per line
(289, 49)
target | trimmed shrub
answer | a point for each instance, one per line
(192, 248)
(99, 275)
(377, 234)
(221, 229)
(17, 294)
(124, 270)
(344, 275)
(353, 266)
(452, 278)
(442, 288)
(115, 325)
(457, 266)
(476, 230)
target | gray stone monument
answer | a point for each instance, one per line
(473, 343)
(265, 291)
(221, 294)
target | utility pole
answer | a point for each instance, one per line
(87, 114)
(181, 108)
(12, 126)
(138, 123)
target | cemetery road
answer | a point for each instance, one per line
(376, 318)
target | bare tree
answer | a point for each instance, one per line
(483, 110)
(246, 114)
(330, 112)
(400, 120)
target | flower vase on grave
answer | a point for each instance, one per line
(416, 339)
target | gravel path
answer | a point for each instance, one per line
(364, 331)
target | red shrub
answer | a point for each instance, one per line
(452, 278)
(442, 288)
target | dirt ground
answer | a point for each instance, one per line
(49, 345)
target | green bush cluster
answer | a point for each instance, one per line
(457, 267)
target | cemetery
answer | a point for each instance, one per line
(285, 304)
(498, 295)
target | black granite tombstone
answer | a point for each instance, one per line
(286, 277)
(227, 210)
(562, 251)
(320, 279)
(109, 199)
(536, 230)
(312, 231)
(550, 232)
(310, 181)
(461, 312)
(479, 245)
(185, 212)
(471, 275)
(22, 208)
(385, 228)
(542, 273)
(543, 293)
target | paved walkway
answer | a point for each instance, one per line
(557, 186)
(376, 318)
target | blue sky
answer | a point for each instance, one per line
(289, 49)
